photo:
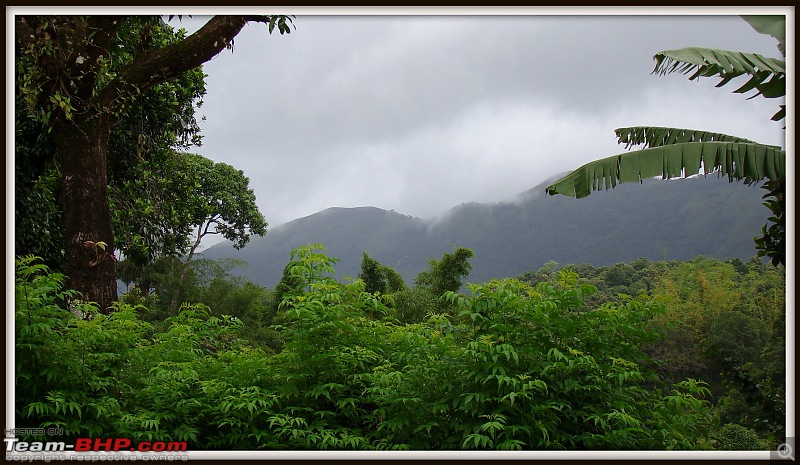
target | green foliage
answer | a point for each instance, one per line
(70, 371)
(576, 375)
(250, 303)
(414, 305)
(77, 77)
(159, 284)
(726, 325)
(157, 121)
(513, 366)
(38, 221)
(736, 160)
(756, 386)
(732, 336)
(737, 437)
(38, 318)
(371, 275)
(224, 200)
(446, 274)
(200, 198)
(734, 329)
(615, 283)
(774, 26)
(767, 75)
(307, 266)
(208, 282)
(417, 304)
(771, 243)
(153, 210)
(723, 322)
(111, 374)
(547, 273)
(379, 278)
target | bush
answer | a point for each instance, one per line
(413, 305)
(512, 367)
(736, 437)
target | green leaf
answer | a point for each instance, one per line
(654, 136)
(751, 162)
(767, 74)
(770, 25)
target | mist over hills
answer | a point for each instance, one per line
(674, 220)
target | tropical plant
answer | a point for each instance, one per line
(673, 152)
(523, 368)
(69, 369)
(538, 373)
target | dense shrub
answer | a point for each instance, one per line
(737, 437)
(512, 367)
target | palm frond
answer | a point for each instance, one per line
(654, 136)
(768, 75)
(709, 62)
(737, 160)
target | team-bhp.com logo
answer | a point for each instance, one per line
(94, 445)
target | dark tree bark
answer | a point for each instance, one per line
(81, 138)
(81, 150)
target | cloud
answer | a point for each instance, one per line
(421, 113)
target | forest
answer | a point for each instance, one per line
(676, 355)
(643, 355)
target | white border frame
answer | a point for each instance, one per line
(790, 121)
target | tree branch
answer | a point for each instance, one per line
(65, 53)
(85, 60)
(159, 65)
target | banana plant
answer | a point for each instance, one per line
(674, 152)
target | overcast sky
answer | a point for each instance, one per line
(421, 113)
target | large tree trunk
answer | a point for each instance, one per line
(81, 148)
(66, 55)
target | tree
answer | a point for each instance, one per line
(77, 79)
(152, 215)
(371, 275)
(203, 196)
(446, 274)
(378, 277)
(672, 152)
(159, 121)
(224, 204)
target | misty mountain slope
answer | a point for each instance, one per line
(674, 220)
(387, 236)
(677, 219)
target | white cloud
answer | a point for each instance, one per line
(419, 114)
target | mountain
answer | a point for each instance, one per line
(674, 219)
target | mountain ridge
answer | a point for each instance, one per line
(670, 219)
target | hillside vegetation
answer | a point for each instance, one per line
(676, 220)
(635, 356)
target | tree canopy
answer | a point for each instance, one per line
(168, 213)
(447, 273)
(78, 77)
(160, 120)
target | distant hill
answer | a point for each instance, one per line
(675, 220)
